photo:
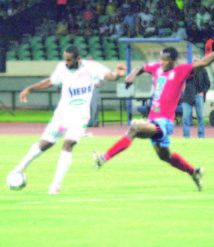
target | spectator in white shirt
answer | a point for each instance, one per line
(178, 32)
(146, 17)
(202, 17)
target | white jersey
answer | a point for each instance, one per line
(77, 87)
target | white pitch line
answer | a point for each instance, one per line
(97, 200)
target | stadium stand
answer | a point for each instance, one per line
(102, 45)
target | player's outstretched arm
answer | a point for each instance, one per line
(120, 71)
(130, 77)
(40, 85)
(136, 71)
(205, 61)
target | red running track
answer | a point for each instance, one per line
(107, 130)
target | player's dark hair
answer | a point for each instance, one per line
(172, 51)
(72, 49)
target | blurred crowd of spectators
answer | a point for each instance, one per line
(9, 8)
(187, 19)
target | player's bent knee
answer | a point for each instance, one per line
(137, 125)
(44, 145)
(164, 157)
(68, 145)
(133, 129)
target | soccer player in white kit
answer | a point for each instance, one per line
(78, 78)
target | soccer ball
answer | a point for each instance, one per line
(16, 180)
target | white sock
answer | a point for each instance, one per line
(64, 162)
(31, 155)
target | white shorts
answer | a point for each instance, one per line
(72, 130)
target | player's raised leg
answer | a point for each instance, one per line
(50, 136)
(35, 150)
(63, 165)
(139, 128)
(161, 143)
(178, 162)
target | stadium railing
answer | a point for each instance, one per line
(50, 106)
(122, 101)
(15, 92)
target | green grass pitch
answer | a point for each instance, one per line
(134, 200)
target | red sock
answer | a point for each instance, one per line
(178, 162)
(118, 147)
